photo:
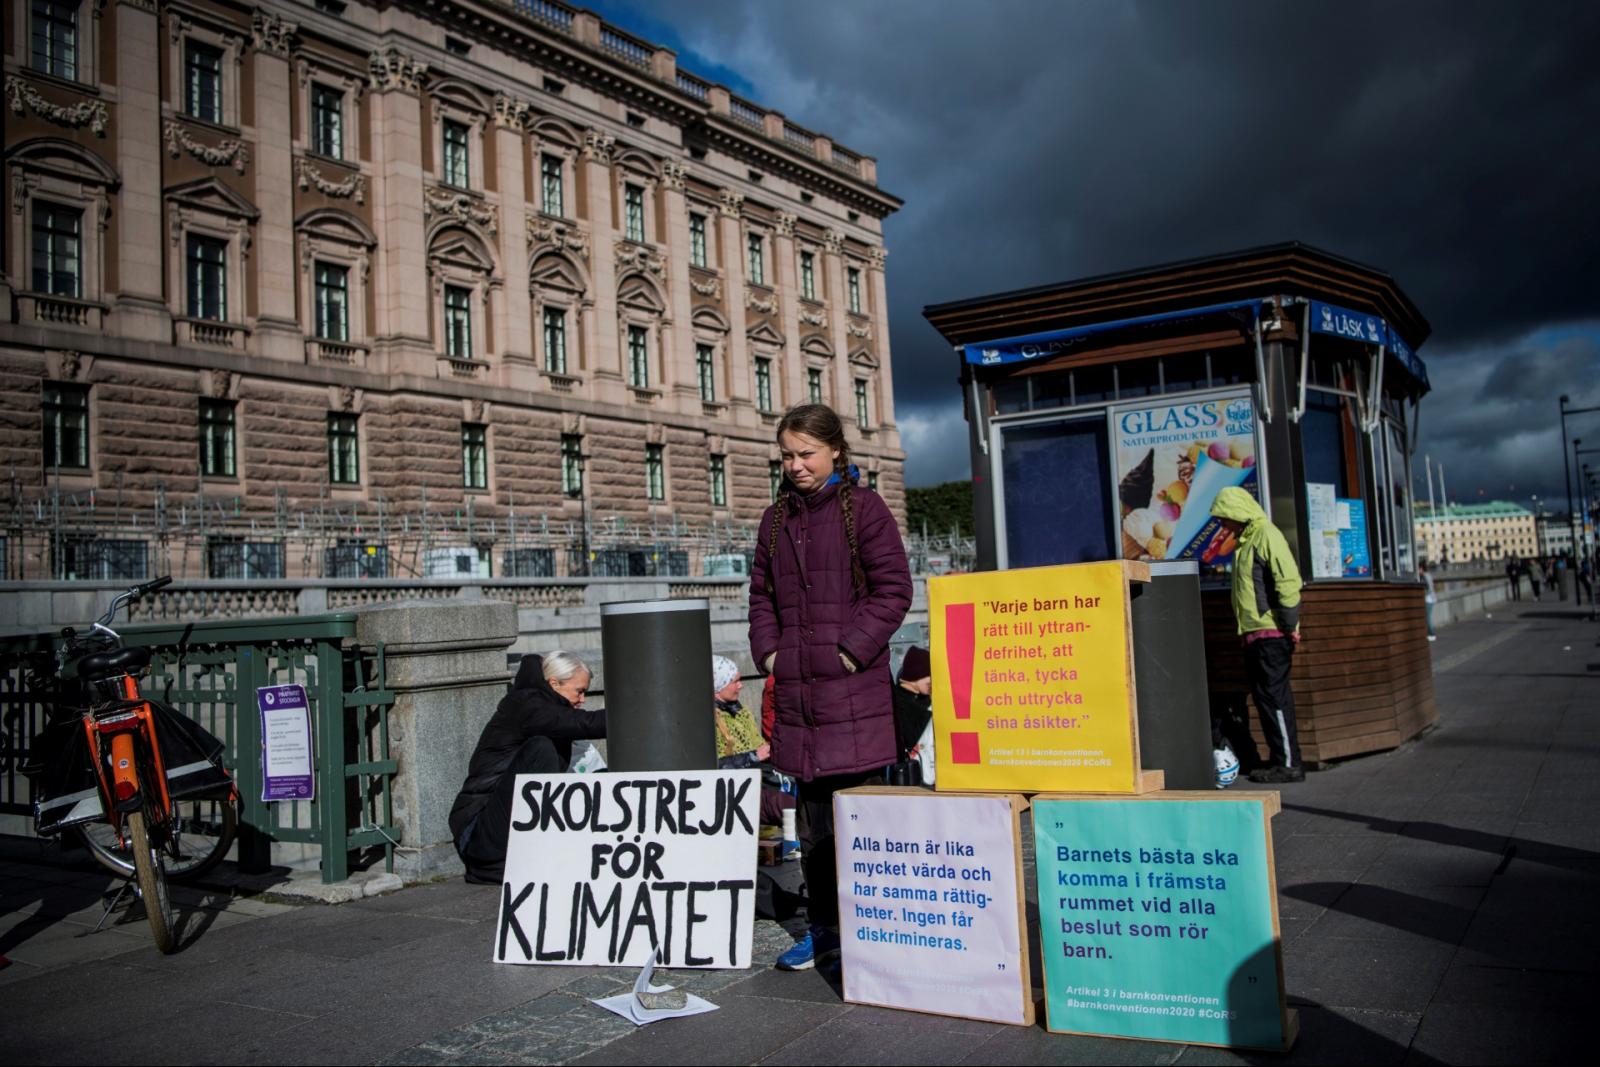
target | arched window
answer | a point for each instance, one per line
(461, 271)
(61, 195)
(335, 270)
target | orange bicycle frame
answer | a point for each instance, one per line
(119, 777)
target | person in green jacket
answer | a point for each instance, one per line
(1266, 606)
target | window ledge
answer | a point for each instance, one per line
(561, 383)
(644, 394)
(346, 353)
(466, 368)
(337, 161)
(212, 333)
(60, 310)
(170, 112)
(714, 407)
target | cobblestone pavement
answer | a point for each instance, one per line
(1436, 905)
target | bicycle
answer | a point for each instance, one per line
(140, 783)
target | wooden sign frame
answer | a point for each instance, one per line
(1019, 804)
(1271, 804)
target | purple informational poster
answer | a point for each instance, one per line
(287, 771)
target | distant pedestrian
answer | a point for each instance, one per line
(1535, 576)
(1585, 581)
(1514, 576)
(1428, 597)
(1266, 606)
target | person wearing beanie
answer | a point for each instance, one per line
(739, 740)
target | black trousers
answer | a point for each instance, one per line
(1267, 663)
(484, 852)
(814, 822)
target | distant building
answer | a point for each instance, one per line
(288, 283)
(1461, 533)
(1555, 534)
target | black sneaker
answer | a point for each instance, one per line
(1278, 775)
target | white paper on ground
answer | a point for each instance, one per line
(627, 1004)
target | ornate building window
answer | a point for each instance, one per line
(333, 302)
(462, 271)
(861, 404)
(327, 121)
(66, 426)
(460, 116)
(61, 202)
(206, 278)
(655, 472)
(717, 468)
(217, 452)
(706, 372)
(474, 455)
(814, 385)
(555, 340)
(57, 250)
(210, 229)
(633, 197)
(763, 384)
(755, 259)
(697, 241)
(808, 275)
(853, 288)
(552, 185)
(638, 357)
(54, 32)
(335, 265)
(205, 57)
(457, 322)
(344, 449)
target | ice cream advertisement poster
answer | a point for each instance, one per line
(1172, 459)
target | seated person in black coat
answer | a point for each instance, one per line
(531, 732)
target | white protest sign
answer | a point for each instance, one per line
(932, 916)
(602, 869)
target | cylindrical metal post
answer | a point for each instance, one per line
(1169, 668)
(657, 659)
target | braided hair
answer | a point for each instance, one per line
(821, 423)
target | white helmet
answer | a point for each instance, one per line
(1227, 766)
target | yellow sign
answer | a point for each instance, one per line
(1033, 679)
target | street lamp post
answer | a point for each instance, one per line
(1566, 464)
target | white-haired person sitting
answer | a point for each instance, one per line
(531, 732)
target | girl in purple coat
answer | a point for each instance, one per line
(828, 589)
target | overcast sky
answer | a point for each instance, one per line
(1456, 145)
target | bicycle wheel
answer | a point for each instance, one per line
(147, 862)
(202, 830)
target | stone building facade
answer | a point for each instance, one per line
(396, 262)
(1491, 531)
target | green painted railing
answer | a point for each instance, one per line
(210, 671)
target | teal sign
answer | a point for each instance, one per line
(1157, 920)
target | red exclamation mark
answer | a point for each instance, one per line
(960, 637)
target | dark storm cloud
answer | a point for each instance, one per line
(1450, 144)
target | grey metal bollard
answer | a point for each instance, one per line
(1169, 658)
(659, 700)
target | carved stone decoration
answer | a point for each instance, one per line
(834, 241)
(71, 364)
(783, 222)
(347, 398)
(862, 332)
(598, 146)
(732, 204)
(309, 177)
(511, 112)
(393, 69)
(765, 305)
(20, 183)
(272, 34)
(713, 288)
(557, 235)
(461, 206)
(142, 5)
(221, 384)
(221, 154)
(813, 318)
(877, 256)
(674, 175)
(631, 257)
(478, 411)
(22, 97)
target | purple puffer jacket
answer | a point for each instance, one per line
(829, 720)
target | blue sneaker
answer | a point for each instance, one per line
(820, 943)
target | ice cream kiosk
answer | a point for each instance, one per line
(1106, 413)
